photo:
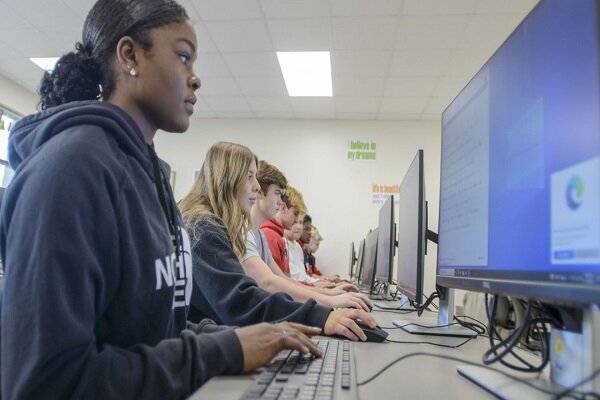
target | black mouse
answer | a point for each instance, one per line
(373, 334)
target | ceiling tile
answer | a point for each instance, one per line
(222, 104)
(235, 114)
(375, 33)
(80, 8)
(488, 32)
(216, 86)
(360, 116)
(253, 64)
(435, 105)
(16, 19)
(274, 115)
(58, 14)
(403, 105)
(466, 63)
(449, 86)
(63, 38)
(262, 86)
(301, 34)
(269, 104)
(413, 86)
(432, 32)
(315, 115)
(205, 42)
(312, 104)
(224, 10)
(520, 7)
(21, 69)
(358, 86)
(31, 43)
(359, 8)
(357, 104)
(419, 62)
(439, 7)
(240, 35)
(295, 8)
(360, 63)
(210, 65)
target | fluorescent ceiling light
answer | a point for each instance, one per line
(47, 63)
(306, 73)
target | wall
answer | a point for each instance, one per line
(313, 155)
(16, 98)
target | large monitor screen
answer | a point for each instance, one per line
(412, 229)
(520, 163)
(368, 260)
(386, 242)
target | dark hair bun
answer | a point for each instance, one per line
(75, 77)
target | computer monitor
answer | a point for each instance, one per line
(359, 257)
(367, 276)
(352, 260)
(386, 243)
(520, 178)
(412, 232)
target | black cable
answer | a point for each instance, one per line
(398, 311)
(506, 346)
(558, 395)
(394, 308)
(429, 300)
(478, 328)
(448, 346)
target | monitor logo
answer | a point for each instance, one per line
(574, 194)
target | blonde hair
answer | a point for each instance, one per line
(315, 234)
(294, 199)
(213, 198)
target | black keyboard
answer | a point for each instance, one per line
(291, 375)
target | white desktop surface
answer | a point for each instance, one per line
(417, 377)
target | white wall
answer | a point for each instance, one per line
(16, 98)
(313, 156)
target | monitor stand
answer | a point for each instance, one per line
(445, 318)
(574, 356)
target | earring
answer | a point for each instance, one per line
(133, 72)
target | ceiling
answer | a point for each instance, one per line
(390, 59)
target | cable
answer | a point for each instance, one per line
(448, 346)
(498, 351)
(557, 395)
(394, 308)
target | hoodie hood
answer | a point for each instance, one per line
(273, 225)
(33, 131)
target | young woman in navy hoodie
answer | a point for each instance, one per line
(97, 266)
(216, 212)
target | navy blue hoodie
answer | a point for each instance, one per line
(95, 300)
(224, 293)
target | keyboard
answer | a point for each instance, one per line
(292, 376)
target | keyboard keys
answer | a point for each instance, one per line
(295, 376)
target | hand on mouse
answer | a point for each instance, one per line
(342, 322)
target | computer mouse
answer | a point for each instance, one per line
(373, 334)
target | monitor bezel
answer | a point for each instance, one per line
(392, 240)
(416, 295)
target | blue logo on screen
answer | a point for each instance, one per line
(574, 192)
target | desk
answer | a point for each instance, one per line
(417, 377)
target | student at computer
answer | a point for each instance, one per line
(91, 304)
(310, 249)
(296, 254)
(290, 208)
(216, 212)
(258, 262)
